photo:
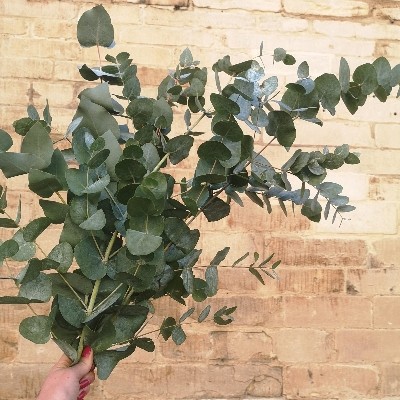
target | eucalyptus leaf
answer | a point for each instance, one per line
(5, 141)
(36, 329)
(95, 28)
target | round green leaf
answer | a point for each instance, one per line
(43, 183)
(139, 243)
(365, 75)
(130, 169)
(5, 140)
(228, 130)
(36, 329)
(95, 222)
(211, 151)
(281, 126)
(95, 28)
(63, 254)
(223, 104)
(54, 211)
(8, 249)
(89, 260)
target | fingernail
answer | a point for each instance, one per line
(86, 351)
(81, 396)
(84, 383)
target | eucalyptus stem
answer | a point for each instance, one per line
(60, 197)
(166, 155)
(95, 292)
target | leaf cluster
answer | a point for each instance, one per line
(125, 221)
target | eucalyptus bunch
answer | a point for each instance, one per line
(126, 238)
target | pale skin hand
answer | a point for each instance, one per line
(69, 383)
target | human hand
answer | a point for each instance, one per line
(66, 382)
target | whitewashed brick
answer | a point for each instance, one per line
(256, 5)
(338, 8)
(387, 136)
(367, 218)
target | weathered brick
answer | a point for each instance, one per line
(166, 36)
(386, 312)
(373, 110)
(373, 281)
(29, 378)
(390, 375)
(195, 380)
(151, 76)
(35, 9)
(8, 344)
(329, 381)
(310, 281)
(316, 252)
(328, 312)
(341, 8)
(301, 43)
(387, 251)
(228, 346)
(209, 19)
(176, 3)
(253, 5)
(13, 26)
(212, 242)
(364, 220)
(253, 311)
(53, 28)
(367, 345)
(385, 188)
(41, 48)
(31, 352)
(302, 345)
(34, 68)
(251, 217)
(366, 30)
(304, 281)
(334, 133)
(385, 136)
(393, 13)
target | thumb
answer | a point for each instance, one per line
(85, 363)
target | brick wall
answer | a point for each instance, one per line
(330, 328)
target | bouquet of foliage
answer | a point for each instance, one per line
(126, 238)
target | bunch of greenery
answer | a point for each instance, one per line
(126, 237)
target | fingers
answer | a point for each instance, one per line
(84, 365)
(87, 380)
(83, 393)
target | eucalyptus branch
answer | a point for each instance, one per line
(72, 289)
(108, 297)
(60, 197)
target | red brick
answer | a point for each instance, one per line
(373, 281)
(328, 312)
(386, 312)
(367, 345)
(316, 252)
(302, 345)
(331, 381)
